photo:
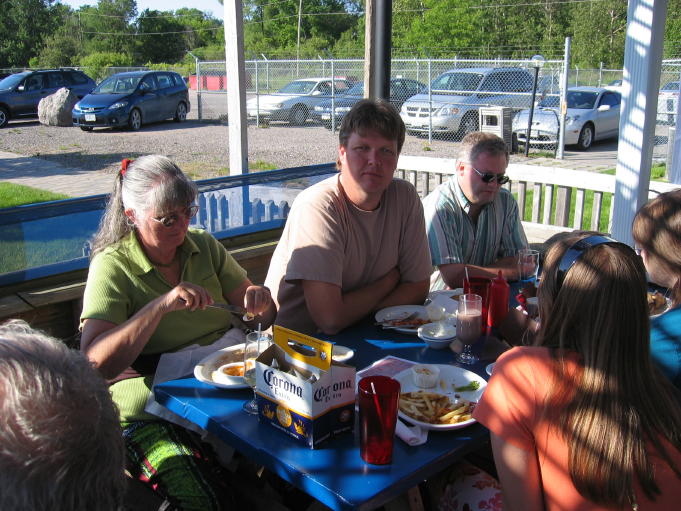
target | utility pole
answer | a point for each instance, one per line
(300, 19)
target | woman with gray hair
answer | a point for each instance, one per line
(61, 440)
(150, 281)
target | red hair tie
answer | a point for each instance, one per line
(124, 166)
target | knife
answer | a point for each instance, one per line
(234, 309)
(231, 308)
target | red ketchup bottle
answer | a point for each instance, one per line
(498, 301)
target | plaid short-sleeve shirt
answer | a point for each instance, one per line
(453, 238)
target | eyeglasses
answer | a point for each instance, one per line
(488, 177)
(169, 220)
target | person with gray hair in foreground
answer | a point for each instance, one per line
(61, 446)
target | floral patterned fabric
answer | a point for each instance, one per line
(469, 488)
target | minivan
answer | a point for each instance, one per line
(458, 94)
(132, 99)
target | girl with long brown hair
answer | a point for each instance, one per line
(583, 419)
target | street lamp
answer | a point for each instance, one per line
(537, 62)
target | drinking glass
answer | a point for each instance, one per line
(256, 343)
(378, 402)
(479, 286)
(528, 265)
(468, 321)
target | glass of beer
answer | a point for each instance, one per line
(468, 324)
(256, 343)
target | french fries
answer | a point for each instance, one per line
(435, 408)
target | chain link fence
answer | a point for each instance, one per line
(437, 99)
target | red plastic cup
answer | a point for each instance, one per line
(479, 286)
(378, 401)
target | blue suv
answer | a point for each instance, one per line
(20, 93)
(131, 99)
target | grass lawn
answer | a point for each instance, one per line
(17, 195)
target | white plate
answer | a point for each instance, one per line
(400, 312)
(342, 353)
(449, 374)
(447, 293)
(204, 369)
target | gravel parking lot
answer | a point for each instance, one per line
(200, 148)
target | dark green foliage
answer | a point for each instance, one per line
(21, 40)
(513, 29)
(160, 37)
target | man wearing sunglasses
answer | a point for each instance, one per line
(471, 220)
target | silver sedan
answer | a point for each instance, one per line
(295, 101)
(593, 113)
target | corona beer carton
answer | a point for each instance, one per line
(302, 391)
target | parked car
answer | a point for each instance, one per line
(593, 113)
(20, 93)
(295, 100)
(401, 89)
(132, 99)
(459, 93)
(615, 85)
(666, 103)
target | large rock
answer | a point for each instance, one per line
(55, 110)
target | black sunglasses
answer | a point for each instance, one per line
(488, 177)
(169, 220)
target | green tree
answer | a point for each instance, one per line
(272, 26)
(599, 31)
(350, 44)
(672, 33)
(440, 28)
(23, 25)
(201, 28)
(64, 46)
(108, 27)
(159, 37)
(96, 64)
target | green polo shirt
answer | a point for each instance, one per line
(121, 281)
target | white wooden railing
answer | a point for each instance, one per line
(547, 217)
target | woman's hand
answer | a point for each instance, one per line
(257, 300)
(185, 296)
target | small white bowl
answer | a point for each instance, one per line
(437, 335)
(221, 374)
(425, 376)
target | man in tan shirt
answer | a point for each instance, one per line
(356, 242)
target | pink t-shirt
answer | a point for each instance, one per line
(329, 239)
(512, 407)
